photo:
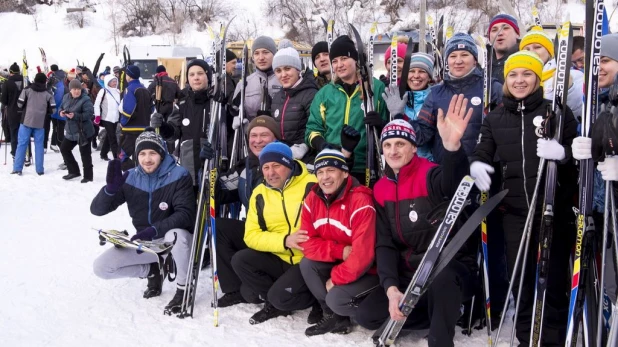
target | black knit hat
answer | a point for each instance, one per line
(149, 139)
(203, 64)
(160, 69)
(53, 67)
(14, 69)
(229, 56)
(40, 78)
(343, 46)
(320, 47)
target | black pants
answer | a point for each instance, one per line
(13, 131)
(94, 138)
(230, 239)
(6, 137)
(57, 132)
(66, 148)
(127, 149)
(438, 309)
(265, 276)
(109, 143)
(557, 296)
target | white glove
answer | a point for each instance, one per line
(236, 122)
(609, 168)
(480, 172)
(549, 149)
(299, 150)
(582, 148)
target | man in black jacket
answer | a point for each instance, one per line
(170, 92)
(10, 93)
(161, 213)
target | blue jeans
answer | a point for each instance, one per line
(23, 139)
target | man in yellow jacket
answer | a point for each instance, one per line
(268, 268)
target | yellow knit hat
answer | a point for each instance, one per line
(524, 59)
(537, 35)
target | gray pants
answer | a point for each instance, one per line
(339, 298)
(126, 263)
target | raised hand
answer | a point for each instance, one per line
(453, 125)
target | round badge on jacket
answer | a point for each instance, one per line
(276, 113)
(163, 206)
(538, 121)
(186, 122)
(413, 216)
(476, 101)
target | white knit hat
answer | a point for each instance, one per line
(287, 57)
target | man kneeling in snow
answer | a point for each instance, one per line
(159, 195)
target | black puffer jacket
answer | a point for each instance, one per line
(189, 125)
(509, 133)
(10, 93)
(290, 108)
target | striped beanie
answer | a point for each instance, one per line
(330, 157)
(504, 18)
(461, 42)
(537, 35)
(524, 59)
(422, 61)
(277, 152)
(398, 128)
(149, 139)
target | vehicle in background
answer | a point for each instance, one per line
(147, 58)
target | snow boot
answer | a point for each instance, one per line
(316, 314)
(231, 299)
(173, 307)
(18, 173)
(62, 166)
(156, 276)
(268, 312)
(330, 323)
(54, 148)
(70, 176)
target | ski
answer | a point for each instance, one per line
(329, 39)
(420, 280)
(536, 17)
(44, 60)
(583, 258)
(239, 147)
(24, 68)
(394, 57)
(410, 49)
(561, 81)
(372, 35)
(121, 239)
(373, 142)
(422, 38)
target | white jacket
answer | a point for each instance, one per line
(107, 102)
(575, 97)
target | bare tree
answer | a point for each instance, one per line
(113, 7)
(244, 27)
(203, 12)
(77, 19)
(140, 17)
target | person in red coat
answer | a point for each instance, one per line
(339, 218)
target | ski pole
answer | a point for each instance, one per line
(606, 216)
(612, 339)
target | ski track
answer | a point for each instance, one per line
(50, 296)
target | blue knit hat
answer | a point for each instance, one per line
(504, 18)
(330, 157)
(277, 152)
(133, 71)
(461, 42)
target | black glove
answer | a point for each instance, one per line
(350, 137)
(264, 113)
(374, 119)
(207, 152)
(156, 120)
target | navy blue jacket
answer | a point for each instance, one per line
(163, 199)
(439, 97)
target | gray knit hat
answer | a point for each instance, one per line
(422, 61)
(287, 57)
(264, 42)
(285, 43)
(609, 46)
(75, 84)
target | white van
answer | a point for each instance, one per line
(146, 58)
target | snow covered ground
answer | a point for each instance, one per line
(50, 297)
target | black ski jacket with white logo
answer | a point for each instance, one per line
(290, 108)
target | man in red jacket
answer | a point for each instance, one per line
(339, 218)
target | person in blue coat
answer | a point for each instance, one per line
(464, 77)
(55, 84)
(420, 78)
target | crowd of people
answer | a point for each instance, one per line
(314, 236)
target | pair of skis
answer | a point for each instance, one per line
(437, 256)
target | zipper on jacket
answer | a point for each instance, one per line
(346, 115)
(521, 109)
(285, 213)
(285, 106)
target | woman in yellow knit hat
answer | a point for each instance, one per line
(509, 133)
(539, 42)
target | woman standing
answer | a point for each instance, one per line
(291, 104)
(509, 132)
(106, 114)
(78, 109)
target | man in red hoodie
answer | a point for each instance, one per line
(339, 218)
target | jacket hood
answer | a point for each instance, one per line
(16, 77)
(38, 87)
(167, 164)
(107, 79)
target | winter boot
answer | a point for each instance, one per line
(18, 173)
(316, 314)
(330, 323)
(231, 299)
(269, 311)
(174, 306)
(156, 276)
(54, 148)
(62, 166)
(70, 176)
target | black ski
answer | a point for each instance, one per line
(403, 85)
